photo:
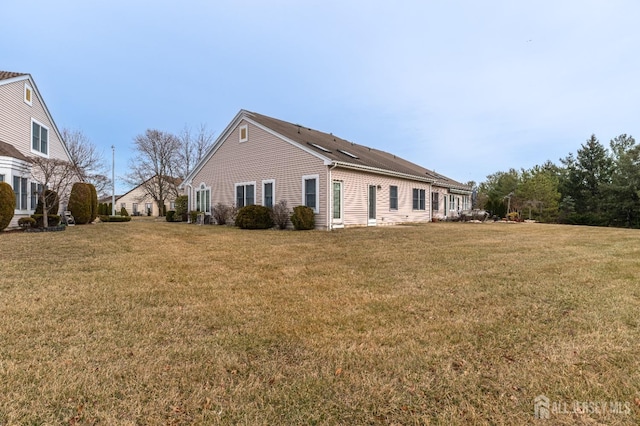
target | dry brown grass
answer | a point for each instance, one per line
(155, 323)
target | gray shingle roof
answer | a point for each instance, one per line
(7, 150)
(345, 152)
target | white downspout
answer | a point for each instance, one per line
(189, 197)
(330, 199)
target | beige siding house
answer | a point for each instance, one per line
(138, 202)
(26, 130)
(262, 160)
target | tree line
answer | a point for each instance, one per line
(597, 185)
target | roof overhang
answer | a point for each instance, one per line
(378, 171)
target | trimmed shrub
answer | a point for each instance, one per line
(94, 201)
(7, 204)
(80, 203)
(221, 213)
(53, 202)
(27, 222)
(280, 214)
(52, 219)
(123, 212)
(109, 209)
(182, 208)
(170, 215)
(194, 216)
(303, 218)
(254, 217)
(107, 218)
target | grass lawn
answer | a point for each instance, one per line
(455, 324)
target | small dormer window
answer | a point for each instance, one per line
(244, 133)
(28, 94)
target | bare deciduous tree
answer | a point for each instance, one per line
(192, 148)
(154, 165)
(89, 162)
(55, 175)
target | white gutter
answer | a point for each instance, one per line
(382, 171)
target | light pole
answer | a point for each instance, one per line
(113, 180)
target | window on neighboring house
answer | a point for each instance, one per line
(134, 207)
(36, 189)
(28, 94)
(310, 186)
(39, 137)
(244, 133)
(123, 205)
(20, 188)
(1, 178)
(245, 194)
(203, 199)
(452, 202)
(418, 199)
(435, 201)
(268, 192)
(393, 197)
(172, 205)
(148, 208)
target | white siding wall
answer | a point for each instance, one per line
(356, 187)
(262, 157)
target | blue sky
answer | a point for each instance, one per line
(464, 87)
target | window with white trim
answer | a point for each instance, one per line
(418, 199)
(28, 95)
(244, 133)
(148, 207)
(1, 178)
(435, 201)
(393, 197)
(245, 194)
(39, 138)
(311, 191)
(20, 188)
(36, 189)
(203, 199)
(134, 207)
(268, 192)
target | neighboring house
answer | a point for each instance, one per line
(138, 202)
(262, 160)
(26, 129)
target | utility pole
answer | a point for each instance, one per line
(113, 180)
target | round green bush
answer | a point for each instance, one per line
(94, 202)
(80, 203)
(27, 222)
(254, 217)
(52, 220)
(303, 218)
(7, 204)
(170, 215)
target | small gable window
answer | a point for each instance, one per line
(28, 94)
(244, 133)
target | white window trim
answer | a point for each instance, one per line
(394, 209)
(317, 178)
(202, 187)
(235, 191)
(244, 127)
(27, 87)
(40, 153)
(273, 191)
